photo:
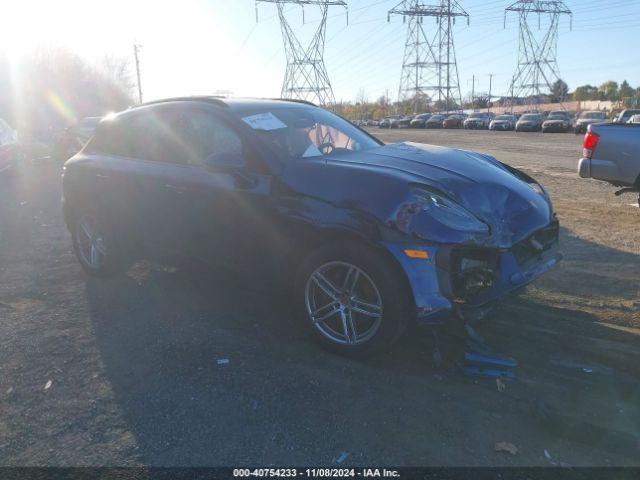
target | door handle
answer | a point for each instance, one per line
(104, 177)
(175, 188)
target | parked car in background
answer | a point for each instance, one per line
(404, 122)
(419, 121)
(625, 115)
(9, 148)
(529, 122)
(561, 113)
(611, 152)
(634, 119)
(368, 239)
(74, 137)
(556, 122)
(503, 122)
(453, 121)
(584, 119)
(372, 123)
(478, 121)
(389, 122)
(435, 121)
(385, 123)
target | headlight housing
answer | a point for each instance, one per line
(535, 186)
(448, 213)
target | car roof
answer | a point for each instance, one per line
(233, 103)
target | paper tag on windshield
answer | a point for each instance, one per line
(264, 121)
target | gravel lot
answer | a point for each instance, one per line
(125, 371)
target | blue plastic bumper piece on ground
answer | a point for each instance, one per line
(496, 360)
(491, 365)
(488, 372)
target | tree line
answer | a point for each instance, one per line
(623, 94)
(49, 89)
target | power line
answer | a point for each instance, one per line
(305, 76)
(429, 67)
(537, 55)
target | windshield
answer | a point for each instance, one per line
(504, 117)
(556, 117)
(437, 117)
(530, 117)
(630, 113)
(592, 115)
(478, 115)
(303, 132)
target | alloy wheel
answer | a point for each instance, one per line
(91, 244)
(343, 303)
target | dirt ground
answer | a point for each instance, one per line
(125, 372)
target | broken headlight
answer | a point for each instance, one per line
(448, 213)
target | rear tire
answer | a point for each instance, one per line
(352, 298)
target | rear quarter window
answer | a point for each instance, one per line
(149, 135)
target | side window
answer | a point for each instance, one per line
(150, 135)
(107, 139)
(204, 135)
(172, 135)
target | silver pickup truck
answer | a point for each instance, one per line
(611, 152)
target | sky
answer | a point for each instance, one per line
(205, 46)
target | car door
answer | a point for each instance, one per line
(222, 192)
(108, 176)
(144, 159)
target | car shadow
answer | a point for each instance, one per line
(211, 368)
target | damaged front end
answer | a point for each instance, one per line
(469, 281)
(476, 278)
(468, 269)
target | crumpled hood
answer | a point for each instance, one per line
(477, 182)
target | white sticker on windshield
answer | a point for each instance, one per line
(264, 121)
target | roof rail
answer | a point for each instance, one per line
(295, 100)
(217, 100)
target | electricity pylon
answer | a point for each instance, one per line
(429, 68)
(537, 54)
(305, 77)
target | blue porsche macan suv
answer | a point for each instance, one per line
(369, 238)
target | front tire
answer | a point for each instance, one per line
(95, 246)
(352, 298)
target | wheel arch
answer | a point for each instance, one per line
(312, 240)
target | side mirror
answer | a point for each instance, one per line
(232, 163)
(225, 161)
